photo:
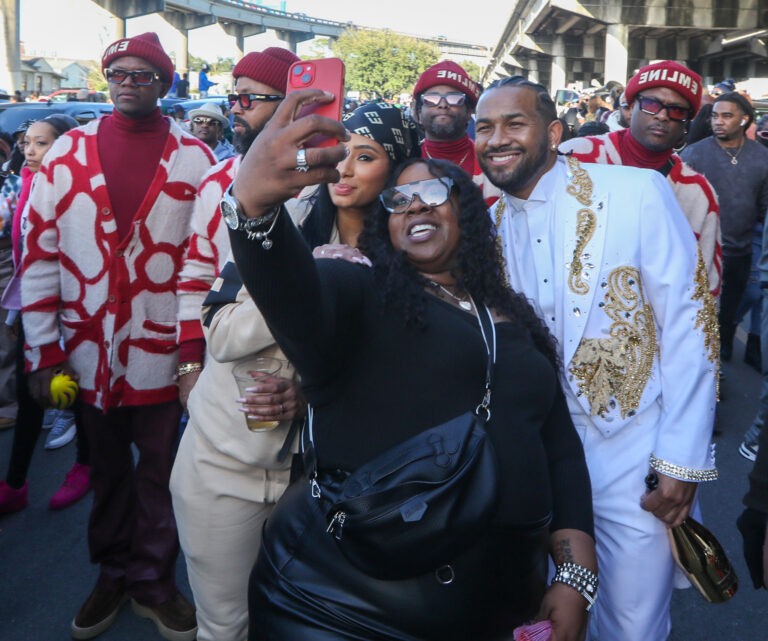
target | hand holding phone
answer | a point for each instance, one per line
(326, 74)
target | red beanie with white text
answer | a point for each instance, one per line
(667, 73)
(451, 74)
(145, 46)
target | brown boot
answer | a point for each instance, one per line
(97, 613)
(175, 618)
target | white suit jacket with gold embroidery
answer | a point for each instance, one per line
(634, 319)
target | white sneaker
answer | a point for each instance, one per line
(63, 430)
(49, 418)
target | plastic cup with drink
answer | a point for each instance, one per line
(251, 373)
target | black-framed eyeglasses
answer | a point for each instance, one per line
(432, 192)
(652, 107)
(200, 120)
(246, 100)
(141, 77)
(452, 99)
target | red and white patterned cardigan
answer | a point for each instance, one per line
(114, 302)
(694, 194)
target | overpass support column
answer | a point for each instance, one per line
(533, 70)
(10, 26)
(240, 32)
(616, 57)
(557, 77)
(183, 23)
(651, 46)
(124, 9)
(292, 38)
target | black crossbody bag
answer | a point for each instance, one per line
(415, 507)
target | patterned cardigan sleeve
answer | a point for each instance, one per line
(208, 248)
(40, 284)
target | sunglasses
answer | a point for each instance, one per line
(652, 106)
(452, 99)
(246, 100)
(763, 134)
(140, 78)
(432, 192)
(199, 120)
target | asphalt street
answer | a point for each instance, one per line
(45, 574)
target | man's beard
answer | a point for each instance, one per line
(449, 130)
(520, 177)
(243, 141)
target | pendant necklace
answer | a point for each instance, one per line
(733, 157)
(464, 303)
(458, 164)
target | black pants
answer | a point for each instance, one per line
(29, 424)
(303, 587)
(735, 276)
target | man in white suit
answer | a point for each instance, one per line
(608, 259)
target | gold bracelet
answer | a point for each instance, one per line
(188, 368)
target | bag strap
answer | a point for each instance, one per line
(488, 330)
(483, 410)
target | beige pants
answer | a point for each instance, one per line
(220, 505)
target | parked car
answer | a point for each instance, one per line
(166, 104)
(68, 95)
(12, 114)
(194, 104)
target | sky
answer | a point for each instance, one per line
(81, 29)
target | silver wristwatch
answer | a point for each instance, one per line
(232, 212)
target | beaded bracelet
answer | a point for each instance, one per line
(188, 368)
(581, 579)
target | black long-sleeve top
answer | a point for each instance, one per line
(374, 382)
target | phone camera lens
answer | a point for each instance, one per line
(305, 78)
(297, 70)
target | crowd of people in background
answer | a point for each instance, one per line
(592, 261)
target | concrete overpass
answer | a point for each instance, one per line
(239, 18)
(242, 18)
(559, 41)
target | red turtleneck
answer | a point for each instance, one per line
(459, 152)
(633, 154)
(130, 151)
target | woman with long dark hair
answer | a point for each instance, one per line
(38, 139)
(221, 467)
(389, 356)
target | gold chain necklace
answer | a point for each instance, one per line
(458, 164)
(733, 157)
(464, 303)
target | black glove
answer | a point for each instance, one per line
(752, 524)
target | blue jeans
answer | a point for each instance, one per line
(762, 412)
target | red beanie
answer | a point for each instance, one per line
(269, 66)
(447, 73)
(145, 46)
(667, 74)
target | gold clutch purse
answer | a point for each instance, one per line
(703, 560)
(700, 556)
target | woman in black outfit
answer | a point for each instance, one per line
(385, 353)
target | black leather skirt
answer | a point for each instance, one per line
(303, 588)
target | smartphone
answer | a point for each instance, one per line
(326, 74)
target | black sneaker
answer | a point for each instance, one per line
(175, 619)
(97, 613)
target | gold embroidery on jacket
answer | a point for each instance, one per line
(499, 213)
(581, 184)
(581, 189)
(706, 317)
(618, 366)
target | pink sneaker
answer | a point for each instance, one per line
(75, 486)
(13, 500)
